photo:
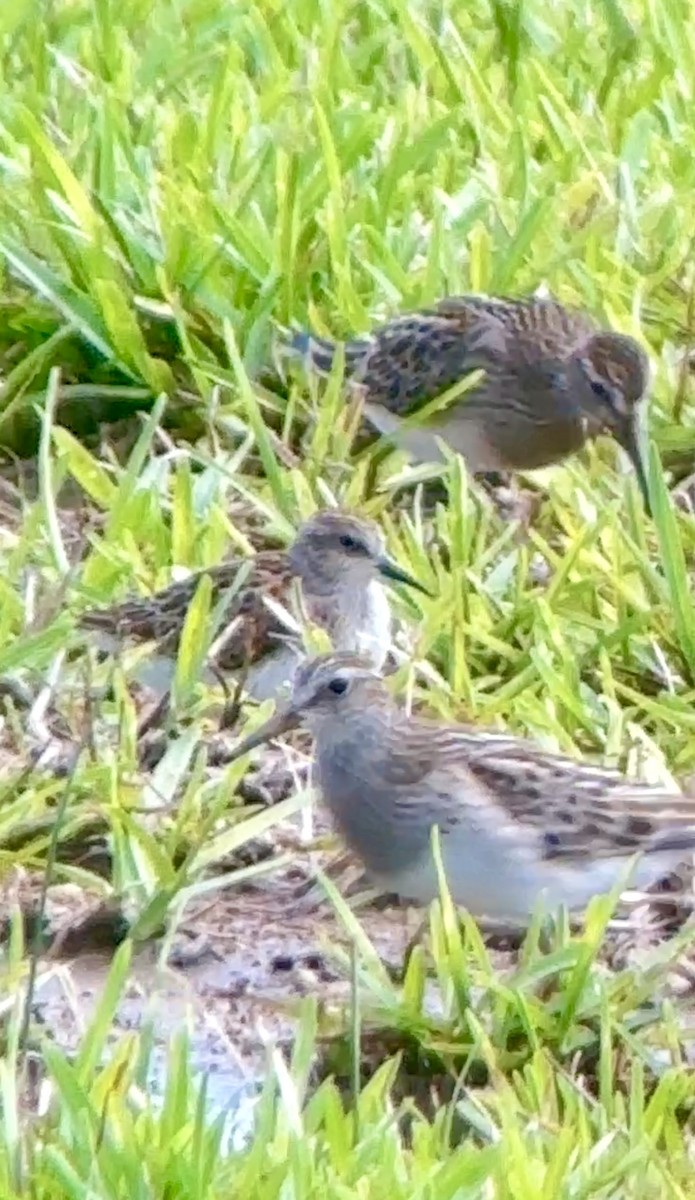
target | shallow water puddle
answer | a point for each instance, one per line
(241, 993)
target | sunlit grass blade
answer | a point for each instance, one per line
(673, 561)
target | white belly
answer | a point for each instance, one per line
(488, 884)
(462, 436)
(156, 671)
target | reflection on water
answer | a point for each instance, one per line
(254, 964)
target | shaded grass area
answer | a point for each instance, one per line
(175, 181)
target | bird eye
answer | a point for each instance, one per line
(351, 544)
(599, 389)
(552, 843)
(338, 686)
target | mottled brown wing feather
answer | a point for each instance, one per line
(415, 358)
(255, 629)
(545, 322)
(537, 316)
(578, 809)
(569, 809)
(160, 618)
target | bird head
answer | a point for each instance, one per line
(609, 377)
(337, 549)
(327, 687)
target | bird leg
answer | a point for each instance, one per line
(495, 479)
(410, 947)
(497, 935)
(232, 700)
(155, 716)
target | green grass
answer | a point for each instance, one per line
(176, 180)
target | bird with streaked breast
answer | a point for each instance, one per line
(519, 827)
(552, 381)
(338, 558)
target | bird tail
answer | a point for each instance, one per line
(318, 353)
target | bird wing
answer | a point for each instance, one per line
(576, 810)
(426, 764)
(529, 323)
(253, 627)
(552, 807)
(414, 359)
(410, 358)
(250, 622)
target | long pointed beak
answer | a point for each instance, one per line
(391, 570)
(285, 718)
(630, 440)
